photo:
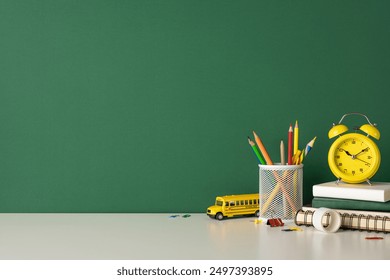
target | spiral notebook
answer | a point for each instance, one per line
(350, 219)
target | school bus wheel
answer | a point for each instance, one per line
(219, 216)
(257, 213)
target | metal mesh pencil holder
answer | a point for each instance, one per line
(280, 189)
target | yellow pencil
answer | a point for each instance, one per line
(297, 157)
(296, 137)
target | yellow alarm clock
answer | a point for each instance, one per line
(354, 157)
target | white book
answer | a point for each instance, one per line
(377, 191)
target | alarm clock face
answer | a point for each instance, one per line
(354, 158)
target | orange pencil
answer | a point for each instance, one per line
(262, 149)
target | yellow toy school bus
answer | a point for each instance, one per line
(234, 205)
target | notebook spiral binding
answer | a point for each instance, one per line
(349, 221)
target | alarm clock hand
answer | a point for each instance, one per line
(362, 151)
(348, 153)
(367, 163)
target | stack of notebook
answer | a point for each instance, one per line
(362, 206)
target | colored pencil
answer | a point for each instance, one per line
(296, 157)
(282, 159)
(290, 145)
(309, 146)
(256, 151)
(296, 137)
(262, 149)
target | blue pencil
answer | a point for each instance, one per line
(309, 146)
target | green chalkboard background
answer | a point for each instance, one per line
(145, 106)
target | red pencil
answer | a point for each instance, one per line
(290, 146)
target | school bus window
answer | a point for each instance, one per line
(219, 203)
(255, 201)
(231, 203)
(250, 202)
(242, 202)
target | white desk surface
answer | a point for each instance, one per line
(157, 236)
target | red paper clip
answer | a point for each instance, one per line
(275, 222)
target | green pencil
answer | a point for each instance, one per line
(256, 151)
